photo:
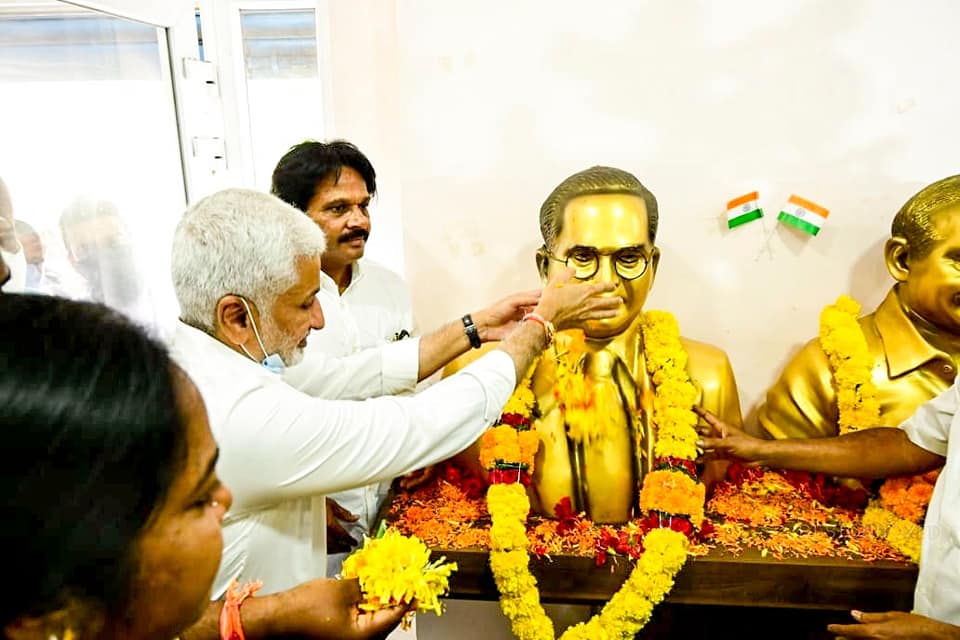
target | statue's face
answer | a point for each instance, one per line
(612, 227)
(932, 287)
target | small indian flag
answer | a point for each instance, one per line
(803, 214)
(743, 209)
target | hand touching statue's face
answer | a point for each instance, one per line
(609, 233)
(932, 285)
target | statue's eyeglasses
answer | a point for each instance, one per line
(629, 263)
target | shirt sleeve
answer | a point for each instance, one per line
(929, 426)
(279, 444)
(385, 370)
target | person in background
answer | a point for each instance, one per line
(33, 254)
(4, 273)
(100, 249)
(11, 252)
(111, 506)
(366, 308)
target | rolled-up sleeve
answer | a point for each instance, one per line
(284, 444)
(929, 426)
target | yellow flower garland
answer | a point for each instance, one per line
(395, 568)
(842, 340)
(665, 550)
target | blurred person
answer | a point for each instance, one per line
(4, 273)
(10, 250)
(246, 271)
(33, 253)
(100, 249)
(112, 510)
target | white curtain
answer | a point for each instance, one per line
(162, 13)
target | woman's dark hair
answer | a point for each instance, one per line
(93, 437)
(301, 169)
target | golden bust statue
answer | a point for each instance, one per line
(602, 222)
(913, 336)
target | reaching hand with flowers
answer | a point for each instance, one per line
(395, 569)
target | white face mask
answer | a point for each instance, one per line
(271, 362)
(18, 271)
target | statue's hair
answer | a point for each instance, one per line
(914, 221)
(593, 181)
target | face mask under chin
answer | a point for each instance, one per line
(272, 362)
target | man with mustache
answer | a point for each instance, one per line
(361, 353)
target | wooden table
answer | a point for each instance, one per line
(747, 597)
(719, 578)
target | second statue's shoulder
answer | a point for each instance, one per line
(704, 354)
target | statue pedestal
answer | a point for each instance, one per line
(718, 578)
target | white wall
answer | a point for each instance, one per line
(850, 104)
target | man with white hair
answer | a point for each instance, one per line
(246, 270)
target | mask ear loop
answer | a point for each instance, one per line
(255, 332)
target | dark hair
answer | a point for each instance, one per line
(914, 221)
(93, 437)
(595, 180)
(301, 169)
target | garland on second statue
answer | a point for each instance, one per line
(896, 516)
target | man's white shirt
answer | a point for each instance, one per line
(363, 351)
(936, 427)
(281, 450)
(359, 354)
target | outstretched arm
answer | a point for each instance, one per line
(320, 609)
(492, 323)
(873, 453)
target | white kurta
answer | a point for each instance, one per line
(281, 451)
(360, 353)
(936, 427)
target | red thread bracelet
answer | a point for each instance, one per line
(543, 322)
(230, 626)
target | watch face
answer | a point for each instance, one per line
(471, 330)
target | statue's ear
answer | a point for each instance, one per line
(896, 253)
(543, 262)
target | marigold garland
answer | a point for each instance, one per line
(578, 396)
(846, 348)
(672, 496)
(896, 517)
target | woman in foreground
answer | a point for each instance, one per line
(111, 507)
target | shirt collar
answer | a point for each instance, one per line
(193, 345)
(904, 347)
(356, 273)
